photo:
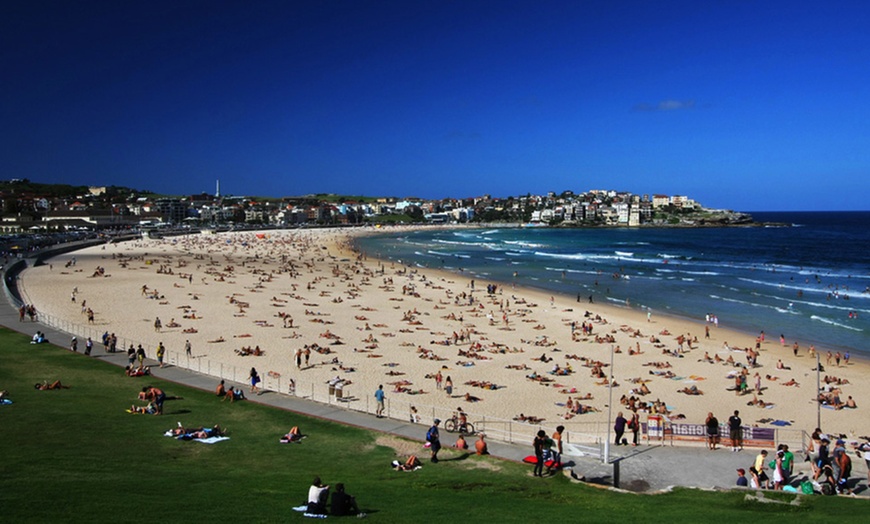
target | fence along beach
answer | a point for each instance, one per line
(247, 300)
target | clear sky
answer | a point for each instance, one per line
(748, 105)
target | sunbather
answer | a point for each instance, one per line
(294, 435)
(46, 386)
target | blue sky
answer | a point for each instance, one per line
(739, 104)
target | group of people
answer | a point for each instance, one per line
(343, 504)
(781, 467)
(229, 393)
(548, 451)
(621, 424)
(831, 468)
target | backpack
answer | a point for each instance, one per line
(430, 434)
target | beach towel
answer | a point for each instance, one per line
(531, 459)
(781, 423)
(209, 440)
(304, 511)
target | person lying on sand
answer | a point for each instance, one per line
(693, 390)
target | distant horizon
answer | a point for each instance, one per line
(739, 105)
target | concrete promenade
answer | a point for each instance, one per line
(641, 469)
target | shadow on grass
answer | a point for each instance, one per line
(461, 456)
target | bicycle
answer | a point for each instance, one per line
(453, 424)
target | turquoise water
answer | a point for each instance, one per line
(809, 281)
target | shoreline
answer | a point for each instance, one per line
(334, 274)
(809, 326)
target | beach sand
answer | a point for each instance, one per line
(376, 322)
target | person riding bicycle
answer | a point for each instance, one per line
(462, 421)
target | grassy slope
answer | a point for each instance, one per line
(75, 455)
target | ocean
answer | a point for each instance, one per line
(808, 281)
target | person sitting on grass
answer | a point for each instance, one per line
(480, 445)
(130, 371)
(317, 496)
(233, 394)
(46, 386)
(461, 443)
(221, 389)
(344, 504)
(154, 394)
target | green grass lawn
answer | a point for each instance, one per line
(76, 455)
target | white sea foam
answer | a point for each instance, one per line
(833, 323)
(524, 243)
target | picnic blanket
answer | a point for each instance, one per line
(304, 511)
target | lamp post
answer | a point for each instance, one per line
(818, 388)
(609, 410)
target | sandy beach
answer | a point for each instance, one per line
(509, 351)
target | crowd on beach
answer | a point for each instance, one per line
(312, 308)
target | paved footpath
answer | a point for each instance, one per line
(641, 469)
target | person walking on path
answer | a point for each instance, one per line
(619, 428)
(379, 397)
(712, 424)
(161, 351)
(557, 441)
(434, 440)
(760, 466)
(735, 431)
(140, 355)
(255, 379)
(540, 443)
(187, 349)
(89, 345)
(634, 426)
